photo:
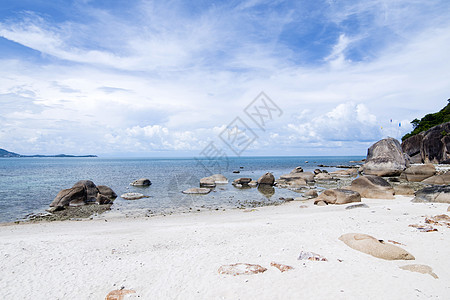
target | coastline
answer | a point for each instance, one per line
(179, 254)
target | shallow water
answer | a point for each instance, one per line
(28, 185)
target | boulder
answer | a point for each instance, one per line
(267, 179)
(403, 189)
(412, 147)
(64, 197)
(200, 191)
(107, 192)
(385, 158)
(141, 182)
(436, 193)
(219, 179)
(377, 248)
(417, 173)
(242, 180)
(90, 188)
(370, 186)
(207, 182)
(102, 199)
(438, 179)
(338, 196)
(323, 177)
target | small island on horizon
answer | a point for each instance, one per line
(5, 153)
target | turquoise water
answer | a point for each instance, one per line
(28, 185)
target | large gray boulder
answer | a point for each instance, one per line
(417, 173)
(436, 193)
(370, 186)
(338, 196)
(90, 188)
(413, 148)
(266, 179)
(75, 194)
(84, 192)
(385, 158)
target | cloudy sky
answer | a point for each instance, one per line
(165, 78)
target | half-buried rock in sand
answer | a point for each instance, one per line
(377, 248)
(241, 269)
(337, 196)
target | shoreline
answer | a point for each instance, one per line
(179, 254)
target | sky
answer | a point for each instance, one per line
(169, 78)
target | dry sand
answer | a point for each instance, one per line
(178, 256)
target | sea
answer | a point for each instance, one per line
(29, 185)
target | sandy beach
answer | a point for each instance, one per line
(178, 256)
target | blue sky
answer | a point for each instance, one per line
(165, 78)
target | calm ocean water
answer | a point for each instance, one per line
(28, 185)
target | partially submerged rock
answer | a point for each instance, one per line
(377, 248)
(370, 186)
(338, 196)
(423, 269)
(242, 181)
(132, 196)
(83, 192)
(212, 180)
(385, 158)
(437, 193)
(241, 269)
(141, 182)
(266, 179)
(199, 191)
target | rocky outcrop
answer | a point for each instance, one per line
(431, 146)
(417, 173)
(83, 192)
(266, 179)
(385, 158)
(377, 248)
(141, 182)
(436, 193)
(338, 196)
(370, 186)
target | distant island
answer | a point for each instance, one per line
(5, 153)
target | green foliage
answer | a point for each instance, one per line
(430, 121)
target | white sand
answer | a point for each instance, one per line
(177, 257)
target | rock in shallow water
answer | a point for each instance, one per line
(199, 191)
(141, 182)
(132, 196)
(377, 248)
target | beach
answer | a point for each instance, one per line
(178, 256)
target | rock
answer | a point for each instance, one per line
(338, 196)
(423, 269)
(132, 196)
(118, 294)
(102, 199)
(377, 248)
(353, 206)
(436, 193)
(207, 182)
(385, 158)
(77, 202)
(438, 179)
(242, 180)
(320, 203)
(323, 177)
(200, 191)
(241, 269)
(370, 186)
(417, 173)
(141, 182)
(66, 196)
(107, 192)
(267, 179)
(345, 173)
(317, 171)
(236, 172)
(431, 146)
(311, 194)
(307, 176)
(403, 189)
(297, 170)
(90, 188)
(448, 208)
(282, 268)
(311, 256)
